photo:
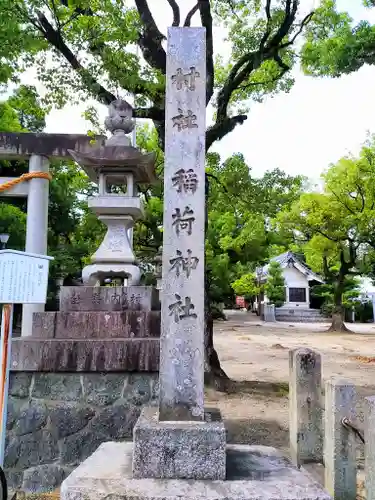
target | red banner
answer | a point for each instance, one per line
(240, 301)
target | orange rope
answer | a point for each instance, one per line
(23, 178)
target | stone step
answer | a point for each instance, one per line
(87, 355)
(300, 315)
(296, 312)
(96, 325)
(302, 319)
(109, 298)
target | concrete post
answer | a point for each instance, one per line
(370, 447)
(339, 442)
(36, 228)
(305, 409)
(269, 313)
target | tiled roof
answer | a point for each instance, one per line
(284, 260)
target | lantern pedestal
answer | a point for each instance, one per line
(97, 273)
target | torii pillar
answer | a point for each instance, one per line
(38, 148)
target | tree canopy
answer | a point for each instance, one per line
(335, 45)
(83, 49)
(334, 228)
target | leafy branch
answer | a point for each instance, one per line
(273, 42)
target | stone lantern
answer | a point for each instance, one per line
(118, 168)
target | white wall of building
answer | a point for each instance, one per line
(295, 279)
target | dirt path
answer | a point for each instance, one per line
(256, 357)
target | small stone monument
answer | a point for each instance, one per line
(179, 448)
(117, 167)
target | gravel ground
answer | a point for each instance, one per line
(255, 357)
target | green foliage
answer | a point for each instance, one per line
(364, 311)
(275, 285)
(324, 230)
(9, 119)
(13, 222)
(334, 45)
(31, 115)
(238, 237)
(246, 286)
(74, 231)
(326, 291)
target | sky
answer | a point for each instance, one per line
(302, 132)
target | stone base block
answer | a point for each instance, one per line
(96, 325)
(92, 355)
(184, 450)
(253, 473)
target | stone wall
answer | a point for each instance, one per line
(56, 420)
(299, 315)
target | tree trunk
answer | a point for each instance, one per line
(338, 324)
(214, 375)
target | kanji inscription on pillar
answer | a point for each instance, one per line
(185, 80)
(183, 221)
(185, 180)
(183, 264)
(182, 121)
(182, 318)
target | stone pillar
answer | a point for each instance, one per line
(370, 447)
(179, 439)
(36, 228)
(182, 319)
(339, 444)
(286, 294)
(305, 409)
(308, 296)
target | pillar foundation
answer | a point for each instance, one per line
(197, 448)
(252, 473)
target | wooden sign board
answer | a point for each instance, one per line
(23, 277)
